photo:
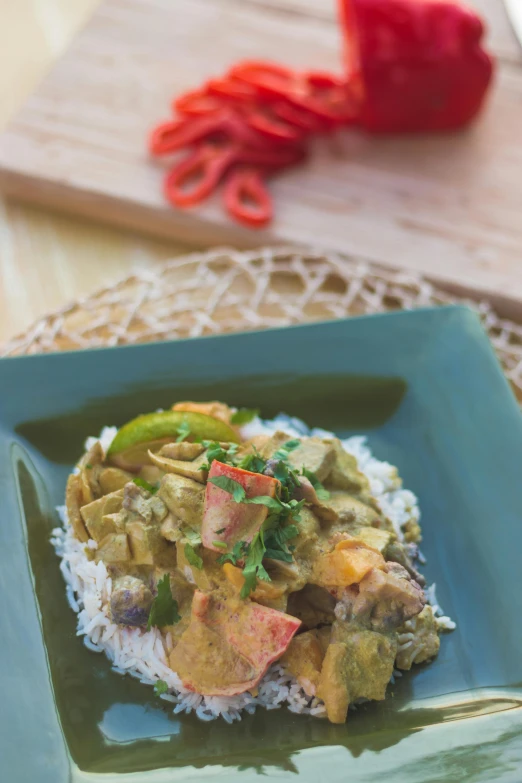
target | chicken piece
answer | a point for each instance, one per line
(418, 640)
(229, 644)
(91, 467)
(304, 658)
(312, 453)
(348, 564)
(205, 578)
(113, 479)
(131, 601)
(192, 470)
(171, 528)
(346, 511)
(148, 546)
(313, 605)
(99, 516)
(218, 410)
(114, 548)
(151, 474)
(184, 498)
(184, 451)
(396, 552)
(224, 520)
(358, 664)
(345, 474)
(306, 541)
(383, 600)
(72, 503)
(138, 502)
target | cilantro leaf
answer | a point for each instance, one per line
(244, 415)
(283, 452)
(230, 486)
(239, 551)
(320, 491)
(164, 609)
(278, 554)
(253, 565)
(183, 431)
(152, 488)
(88, 466)
(160, 687)
(265, 500)
(192, 557)
(253, 462)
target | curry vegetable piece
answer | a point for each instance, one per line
(239, 520)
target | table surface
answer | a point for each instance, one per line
(48, 259)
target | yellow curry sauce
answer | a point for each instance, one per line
(244, 552)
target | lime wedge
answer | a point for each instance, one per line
(152, 430)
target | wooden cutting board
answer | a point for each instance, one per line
(448, 206)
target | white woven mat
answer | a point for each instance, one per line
(225, 290)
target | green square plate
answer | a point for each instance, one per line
(427, 389)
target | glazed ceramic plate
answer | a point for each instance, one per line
(427, 390)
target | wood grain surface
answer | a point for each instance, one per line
(446, 206)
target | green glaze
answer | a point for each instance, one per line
(427, 389)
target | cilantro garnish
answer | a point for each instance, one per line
(160, 687)
(229, 485)
(276, 535)
(183, 431)
(88, 466)
(283, 452)
(239, 551)
(192, 557)
(244, 415)
(254, 569)
(216, 451)
(252, 462)
(320, 491)
(152, 488)
(164, 609)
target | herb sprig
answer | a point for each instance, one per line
(152, 488)
(164, 609)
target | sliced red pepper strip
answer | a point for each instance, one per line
(206, 166)
(196, 103)
(274, 129)
(246, 69)
(196, 177)
(247, 199)
(225, 124)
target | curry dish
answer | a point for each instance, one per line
(245, 551)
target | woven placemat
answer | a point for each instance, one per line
(225, 290)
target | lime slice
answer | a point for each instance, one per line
(152, 430)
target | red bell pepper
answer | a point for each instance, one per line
(419, 63)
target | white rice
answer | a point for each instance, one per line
(144, 654)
